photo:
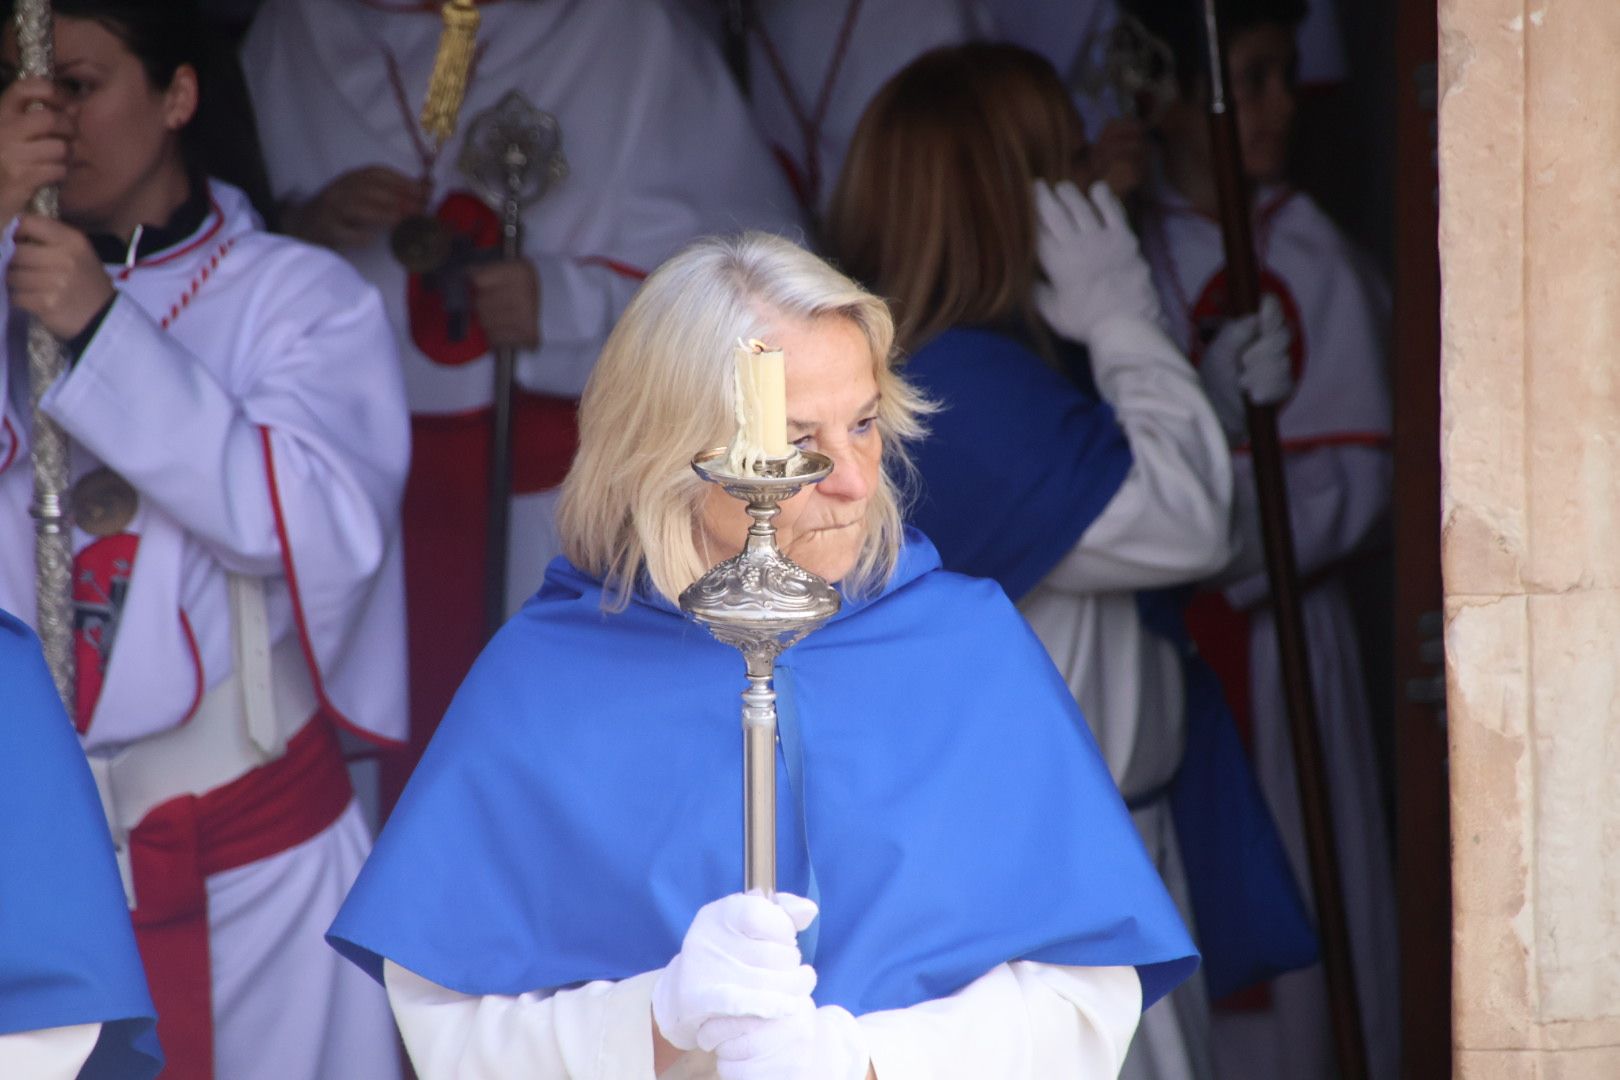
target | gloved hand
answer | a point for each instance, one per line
(740, 958)
(1093, 266)
(1249, 357)
(811, 1043)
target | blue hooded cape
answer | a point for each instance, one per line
(67, 950)
(938, 793)
(1020, 461)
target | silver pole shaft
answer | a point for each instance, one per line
(759, 784)
(53, 545)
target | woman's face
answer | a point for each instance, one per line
(1262, 61)
(832, 401)
(126, 129)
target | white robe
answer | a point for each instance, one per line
(1019, 1021)
(1169, 524)
(277, 365)
(1335, 431)
(659, 148)
(796, 53)
(50, 1053)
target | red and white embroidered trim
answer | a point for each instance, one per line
(197, 282)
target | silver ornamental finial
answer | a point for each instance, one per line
(513, 152)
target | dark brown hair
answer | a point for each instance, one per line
(934, 208)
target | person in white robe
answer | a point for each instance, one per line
(813, 66)
(658, 150)
(1335, 430)
(239, 444)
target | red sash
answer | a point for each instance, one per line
(181, 842)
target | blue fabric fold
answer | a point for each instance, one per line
(582, 799)
(67, 949)
(1018, 463)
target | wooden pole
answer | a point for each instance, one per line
(1243, 297)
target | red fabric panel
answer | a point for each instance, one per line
(445, 514)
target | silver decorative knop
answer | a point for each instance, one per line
(761, 603)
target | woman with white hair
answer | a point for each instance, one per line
(554, 895)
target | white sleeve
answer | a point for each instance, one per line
(599, 1031)
(1020, 1021)
(1171, 520)
(1337, 496)
(317, 394)
(49, 1054)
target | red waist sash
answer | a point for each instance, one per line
(181, 842)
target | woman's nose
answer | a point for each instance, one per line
(849, 479)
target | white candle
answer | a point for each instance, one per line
(761, 406)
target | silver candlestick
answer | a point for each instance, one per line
(760, 603)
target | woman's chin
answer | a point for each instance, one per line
(829, 565)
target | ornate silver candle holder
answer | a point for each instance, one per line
(760, 603)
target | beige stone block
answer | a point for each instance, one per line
(1582, 1035)
(1575, 731)
(1496, 1065)
(1482, 148)
(1492, 789)
(1587, 1063)
(1571, 238)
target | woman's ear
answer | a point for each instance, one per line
(180, 99)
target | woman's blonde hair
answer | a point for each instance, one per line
(934, 208)
(662, 390)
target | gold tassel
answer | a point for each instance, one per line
(451, 68)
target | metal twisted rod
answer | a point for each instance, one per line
(53, 546)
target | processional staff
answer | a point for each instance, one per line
(759, 601)
(53, 544)
(512, 156)
(1243, 298)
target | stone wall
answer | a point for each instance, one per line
(1530, 446)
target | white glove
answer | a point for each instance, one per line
(1094, 268)
(810, 1044)
(1249, 357)
(740, 958)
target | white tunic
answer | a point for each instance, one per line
(49, 1054)
(1335, 432)
(1169, 524)
(1019, 1021)
(276, 365)
(659, 148)
(815, 64)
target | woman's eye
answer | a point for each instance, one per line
(805, 442)
(73, 88)
(864, 425)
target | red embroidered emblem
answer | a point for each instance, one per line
(1208, 314)
(101, 574)
(444, 324)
